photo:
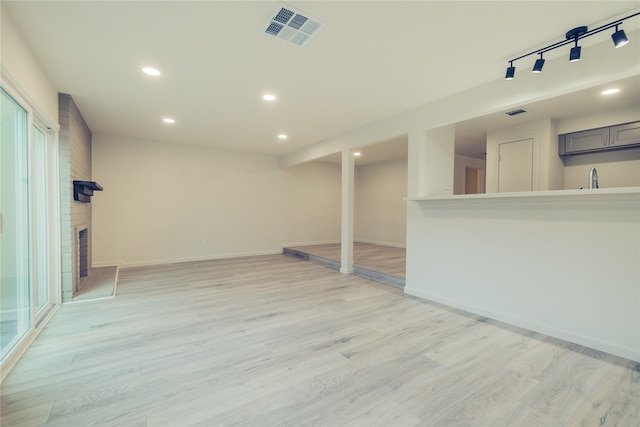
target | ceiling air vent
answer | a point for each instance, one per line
(291, 25)
(516, 112)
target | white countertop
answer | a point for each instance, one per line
(621, 193)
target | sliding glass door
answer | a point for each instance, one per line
(15, 303)
(29, 224)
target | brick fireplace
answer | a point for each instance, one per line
(75, 216)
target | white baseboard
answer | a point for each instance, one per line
(130, 264)
(319, 242)
(332, 242)
(612, 348)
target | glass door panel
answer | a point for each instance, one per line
(15, 305)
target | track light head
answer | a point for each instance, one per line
(537, 67)
(574, 56)
(511, 71)
(619, 38)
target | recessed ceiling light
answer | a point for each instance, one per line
(151, 71)
(269, 97)
(610, 91)
(282, 136)
(357, 154)
(168, 120)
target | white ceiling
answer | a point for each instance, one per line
(385, 151)
(372, 60)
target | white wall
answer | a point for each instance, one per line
(169, 203)
(566, 268)
(20, 65)
(613, 117)
(313, 193)
(380, 211)
(459, 171)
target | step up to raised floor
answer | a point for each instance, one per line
(326, 262)
(376, 276)
(379, 277)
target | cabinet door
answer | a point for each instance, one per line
(587, 140)
(515, 166)
(628, 134)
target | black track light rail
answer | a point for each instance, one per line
(570, 40)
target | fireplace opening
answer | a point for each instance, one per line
(83, 252)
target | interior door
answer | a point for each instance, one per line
(472, 180)
(515, 166)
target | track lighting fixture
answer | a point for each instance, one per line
(619, 38)
(537, 67)
(573, 36)
(511, 72)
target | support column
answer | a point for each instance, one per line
(346, 239)
(431, 160)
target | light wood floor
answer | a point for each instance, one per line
(384, 259)
(275, 341)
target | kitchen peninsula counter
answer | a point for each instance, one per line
(620, 193)
(563, 263)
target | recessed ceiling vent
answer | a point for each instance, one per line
(516, 112)
(291, 25)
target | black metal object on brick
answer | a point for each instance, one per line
(83, 190)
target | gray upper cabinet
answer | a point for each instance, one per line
(622, 135)
(588, 140)
(612, 137)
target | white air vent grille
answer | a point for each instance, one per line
(291, 25)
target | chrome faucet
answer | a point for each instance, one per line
(593, 178)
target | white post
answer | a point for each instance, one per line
(431, 160)
(348, 171)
